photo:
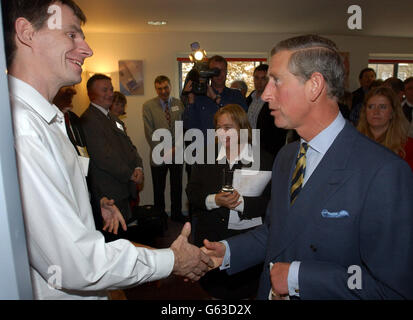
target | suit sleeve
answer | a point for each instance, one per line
(257, 206)
(149, 125)
(138, 158)
(196, 189)
(386, 245)
(254, 242)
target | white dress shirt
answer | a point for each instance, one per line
(58, 218)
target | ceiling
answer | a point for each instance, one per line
(393, 18)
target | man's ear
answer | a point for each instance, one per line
(315, 86)
(24, 31)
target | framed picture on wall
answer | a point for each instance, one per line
(131, 77)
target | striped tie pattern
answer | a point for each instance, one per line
(167, 114)
(298, 174)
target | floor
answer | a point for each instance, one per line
(173, 287)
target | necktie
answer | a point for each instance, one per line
(298, 174)
(69, 128)
(167, 113)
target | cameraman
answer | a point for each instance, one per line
(200, 109)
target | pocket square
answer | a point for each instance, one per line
(341, 214)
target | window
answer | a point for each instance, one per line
(238, 69)
(401, 69)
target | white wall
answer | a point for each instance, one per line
(15, 281)
(160, 50)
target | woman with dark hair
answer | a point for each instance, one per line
(220, 213)
(118, 104)
(382, 120)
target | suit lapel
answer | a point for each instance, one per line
(115, 123)
(330, 175)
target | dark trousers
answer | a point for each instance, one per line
(159, 181)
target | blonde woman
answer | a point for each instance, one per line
(218, 213)
(382, 120)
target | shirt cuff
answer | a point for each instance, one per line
(227, 257)
(210, 202)
(240, 207)
(164, 261)
(293, 288)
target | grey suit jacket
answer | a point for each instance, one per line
(113, 158)
(154, 118)
(374, 187)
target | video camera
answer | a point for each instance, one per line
(200, 73)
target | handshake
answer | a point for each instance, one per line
(192, 262)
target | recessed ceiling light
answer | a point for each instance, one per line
(157, 23)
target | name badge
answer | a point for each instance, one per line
(84, 164)
(175, 108)
(82, 151)
(119, 126)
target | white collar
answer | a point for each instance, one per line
(105, 112)
(245, 154)
(322, 142)
(34, 99)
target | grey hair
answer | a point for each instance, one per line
(241, 85)
(312, 53)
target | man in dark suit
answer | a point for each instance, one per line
(366, 77)
(339, 224)
(408, 102)
(115, 164)
(272, 138)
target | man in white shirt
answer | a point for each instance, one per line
(45, 52)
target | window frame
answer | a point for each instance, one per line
(181, 60)
(394, 62)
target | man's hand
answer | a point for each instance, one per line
(279, 279)
(137, 176)
(188, 91)
(228, 199)
(212, 95)
(190, 261)
(111, 216)
(216, 251)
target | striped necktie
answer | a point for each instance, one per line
(298, 175)
(167, 113)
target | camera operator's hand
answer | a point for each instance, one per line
(188, 91)
(211, 94)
